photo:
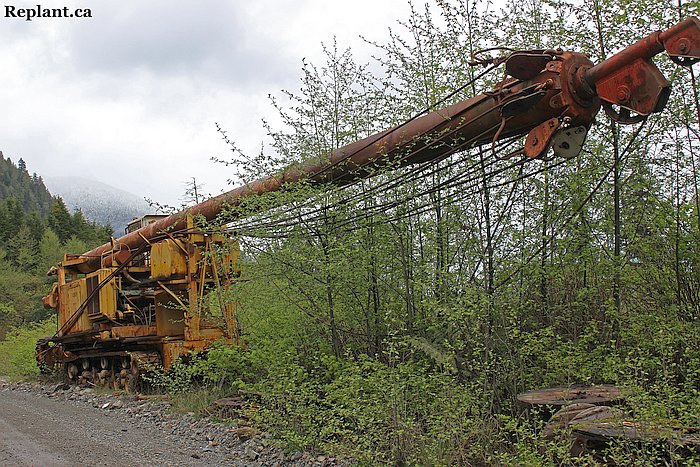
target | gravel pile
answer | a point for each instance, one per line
(206, 439)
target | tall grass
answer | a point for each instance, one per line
(17, 360)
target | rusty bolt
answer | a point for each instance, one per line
(535, 141)
(683, 45)
(623, 94)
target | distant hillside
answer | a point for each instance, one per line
(29, 190)
(99, 202)
(36, 230)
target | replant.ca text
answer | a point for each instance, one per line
(39, 11)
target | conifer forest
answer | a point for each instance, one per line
(395, 319)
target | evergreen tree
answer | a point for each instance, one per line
(11, 218)
(28, 190)
(36, 225)
(22, 250)
(50, 251)
(60, 221)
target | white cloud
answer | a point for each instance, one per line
(130, 96)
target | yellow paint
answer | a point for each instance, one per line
(104, 305)
(168, 260)
(71, 296)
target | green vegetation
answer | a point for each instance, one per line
(395, 320)
(18, 349)
(28, 191)
(35, 231)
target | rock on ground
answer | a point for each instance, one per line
(67, 425)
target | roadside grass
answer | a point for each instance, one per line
(18, 350)
(197, 400)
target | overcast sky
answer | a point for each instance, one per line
(130, 96)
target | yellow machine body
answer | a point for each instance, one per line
(143, 308)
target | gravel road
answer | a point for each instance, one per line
(35, 430)
(59, 426)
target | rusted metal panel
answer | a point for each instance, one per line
(73, 260)
(168, 259)
(681, 40)
(629, 78)
(210, 334)
(170, 315)
(50, 300)
(540, 138)
(639, 87)
(143, 221)
(134, 331)
(71, 296)
(170, 352)
(104, 304)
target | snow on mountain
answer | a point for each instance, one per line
(100, 202)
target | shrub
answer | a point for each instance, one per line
(18, 349)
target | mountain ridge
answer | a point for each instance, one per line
(100, 202)
(29, 191)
